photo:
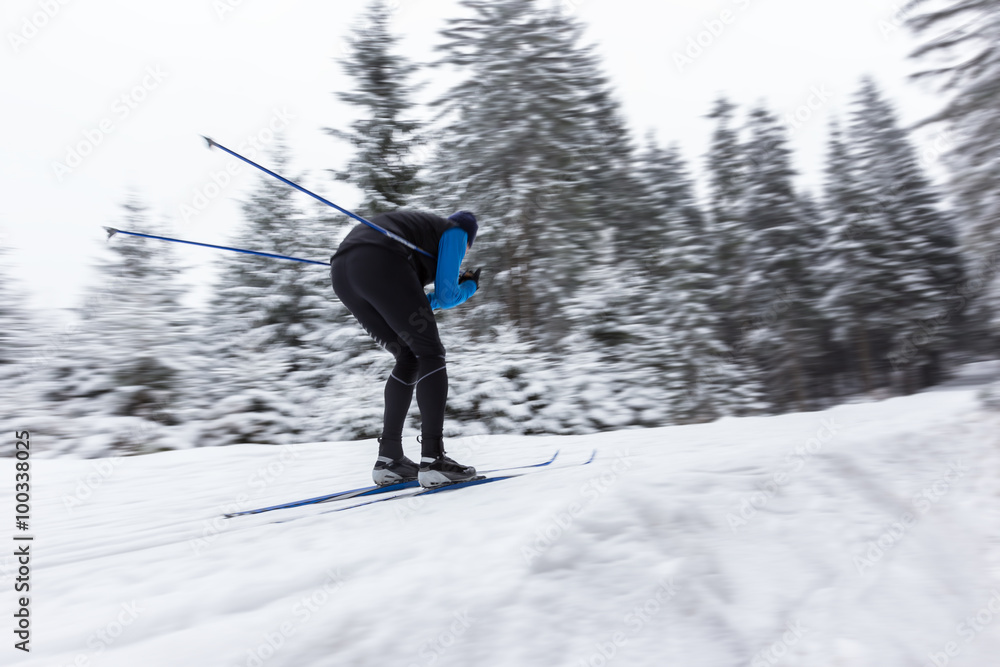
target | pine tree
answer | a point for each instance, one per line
(271, 324)
(930, 265)
(609, 381)
(727, 166)
(960, 38)
(702, 378)
(896, 252)
(383, 138)
(17, 383)
(14, 320)
(118, 381)
(850, 287)
(496, 385)
(779, 253)
(533, 145)
(826, 359)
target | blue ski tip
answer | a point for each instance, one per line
(111, 231)
(209, 141)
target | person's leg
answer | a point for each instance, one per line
(398, 395)
(432, 394)
(431, 382)
(390, 285)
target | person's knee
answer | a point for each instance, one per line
(407, 365)
(431, 362)
(423, 345)
(429, 349)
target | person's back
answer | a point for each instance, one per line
(423, 230)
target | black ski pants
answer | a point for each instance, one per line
(382, 290)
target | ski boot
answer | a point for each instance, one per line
(393, 471)
(443, 470)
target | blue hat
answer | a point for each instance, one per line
(467, 222)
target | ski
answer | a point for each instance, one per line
(367, 491)
(476, 481)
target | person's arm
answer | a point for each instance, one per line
(451, 251)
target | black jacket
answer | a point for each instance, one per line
(424, 230)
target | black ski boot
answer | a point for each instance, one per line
(393, 471)
(443, 470)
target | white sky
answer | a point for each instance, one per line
(228, 74)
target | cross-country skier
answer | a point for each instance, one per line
(381, 281)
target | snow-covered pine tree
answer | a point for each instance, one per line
(851, 292)
(496, 386)
(17, 382)
(119, 379)
(608, 380)
(271, 324)
(702, 378)
(383, 137)
(930, 266)
(827, 360)
(959, 46)
(14, 320)
(896, 253)
(532, 144)
(777, 295)
(726, 164)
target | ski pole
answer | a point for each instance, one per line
(112, 231)
(391, 235)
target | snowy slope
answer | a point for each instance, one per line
(743, 542)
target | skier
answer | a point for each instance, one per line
(381, 281)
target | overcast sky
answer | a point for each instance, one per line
(134, 85)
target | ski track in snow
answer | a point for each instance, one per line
(668, 549)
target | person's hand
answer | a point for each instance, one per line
(470, 275)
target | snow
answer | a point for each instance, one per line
(747, 541)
